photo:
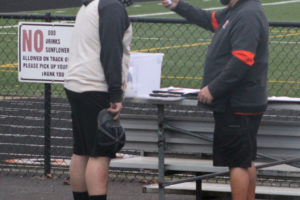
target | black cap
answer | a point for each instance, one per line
(110, 133)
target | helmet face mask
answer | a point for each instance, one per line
(225, 2)
(110, 134)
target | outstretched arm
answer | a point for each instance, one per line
(203, 18)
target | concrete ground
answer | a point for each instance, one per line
(19, 187)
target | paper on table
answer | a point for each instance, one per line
(177, 90)
(159, 98)
(186, 92)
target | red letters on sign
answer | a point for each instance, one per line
(27, 40)
(38, 42)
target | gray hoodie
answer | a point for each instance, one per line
(237, 59)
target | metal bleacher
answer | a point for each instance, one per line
(178, 143)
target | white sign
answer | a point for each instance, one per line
(43, 51)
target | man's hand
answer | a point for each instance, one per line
(169, 3)
(204, 96)
(115, 109)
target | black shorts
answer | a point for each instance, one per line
(235, 139)
(84, 110)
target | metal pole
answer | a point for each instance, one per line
(173, 128)
(47, 123)
(161, 152)
(199, 192)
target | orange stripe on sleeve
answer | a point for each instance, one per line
(214, 22)
(244, 56)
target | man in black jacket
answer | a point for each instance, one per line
(234, 84)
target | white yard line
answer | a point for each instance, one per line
(11, 26)
(216, 8)
(208, 40)
(171, 12)
(6, 33)
(153, 14)
(280, 3)
(282, 42)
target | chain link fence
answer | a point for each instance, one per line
(23, 143)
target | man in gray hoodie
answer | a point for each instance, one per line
(234, 83)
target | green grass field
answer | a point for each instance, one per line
(184, 47)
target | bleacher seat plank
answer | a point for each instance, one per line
(190, 187)
(194, 165)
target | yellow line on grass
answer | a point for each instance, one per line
(174, 47)
(12, 65)
(290, 82)
(8, 71)
(286, 35)
(181, 77)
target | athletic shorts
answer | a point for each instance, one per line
(84, 111)
(235, 139)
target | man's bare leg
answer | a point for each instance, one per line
(252, 182)
(77, 173)
(96, 175)
(239, 182)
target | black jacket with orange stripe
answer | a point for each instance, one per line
(237, 59)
